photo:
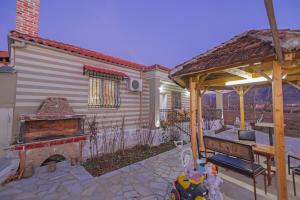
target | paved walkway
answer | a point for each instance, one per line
(146, 180)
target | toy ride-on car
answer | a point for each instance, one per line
(188, 189)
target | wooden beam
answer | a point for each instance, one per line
(203, 90)
(263, 74)
(239, 72)
(199, 109)
(202, 78)
(273, 25)
(293, 77)
(193, 119)
(293, 84)
(248, 89)
(279, 132)
(220, 81)
(242, 109)
(241, 93)
(292, 70)
(237, 89)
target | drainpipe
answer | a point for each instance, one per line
(140, 110)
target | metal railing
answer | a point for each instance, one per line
(181, 119)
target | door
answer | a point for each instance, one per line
(6, 119)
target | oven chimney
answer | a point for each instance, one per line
(27, 16)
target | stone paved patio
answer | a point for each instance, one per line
(148, 179)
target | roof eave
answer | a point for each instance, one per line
(223, 67)
(11, 37)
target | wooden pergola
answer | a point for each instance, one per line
(247, 60)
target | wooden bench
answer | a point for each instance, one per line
(234, 156)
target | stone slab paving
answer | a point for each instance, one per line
(150, 179)
(145, 180)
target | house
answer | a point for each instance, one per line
(165, 95)
(93, 83)
(4, 57)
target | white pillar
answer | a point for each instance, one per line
(219, 101)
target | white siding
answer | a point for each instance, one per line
(167, 89)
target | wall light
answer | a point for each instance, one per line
(157, 124)
(161, 89)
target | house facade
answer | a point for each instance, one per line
(95, 84)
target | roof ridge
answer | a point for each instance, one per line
(75, 49)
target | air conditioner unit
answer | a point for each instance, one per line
(135, 85)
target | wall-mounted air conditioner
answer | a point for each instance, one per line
(135, 85)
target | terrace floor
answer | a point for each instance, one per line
(148, 179)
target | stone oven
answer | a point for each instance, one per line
(53, 131)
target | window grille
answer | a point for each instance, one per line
(104, 90)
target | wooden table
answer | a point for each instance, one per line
(268, 152)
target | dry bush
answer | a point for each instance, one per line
(170, 133)
(110, 139)
(145, 135)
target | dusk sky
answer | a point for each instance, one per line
(167, 32)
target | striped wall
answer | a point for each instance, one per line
(43, 72)
(167, 89)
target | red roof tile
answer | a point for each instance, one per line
(75, 49)
(4, 54)
(253, 44)
(105, 71)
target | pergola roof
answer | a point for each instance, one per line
(253, 45)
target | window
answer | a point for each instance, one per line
(176, 100)
(104, 92)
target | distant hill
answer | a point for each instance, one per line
(262, 95)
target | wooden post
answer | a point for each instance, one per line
(242, 108)
(199, 109)
(279, 132)
(193, 119)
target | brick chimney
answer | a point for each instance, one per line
(27, 15)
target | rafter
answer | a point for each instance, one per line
(220, 81)
(297, 86)
(263, 74)
(248, 89)
(239, 72)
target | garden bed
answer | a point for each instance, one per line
(110, 162)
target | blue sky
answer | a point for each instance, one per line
(166, 32)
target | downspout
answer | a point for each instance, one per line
(140, 111)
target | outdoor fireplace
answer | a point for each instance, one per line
(54, 119)
(53, 130)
